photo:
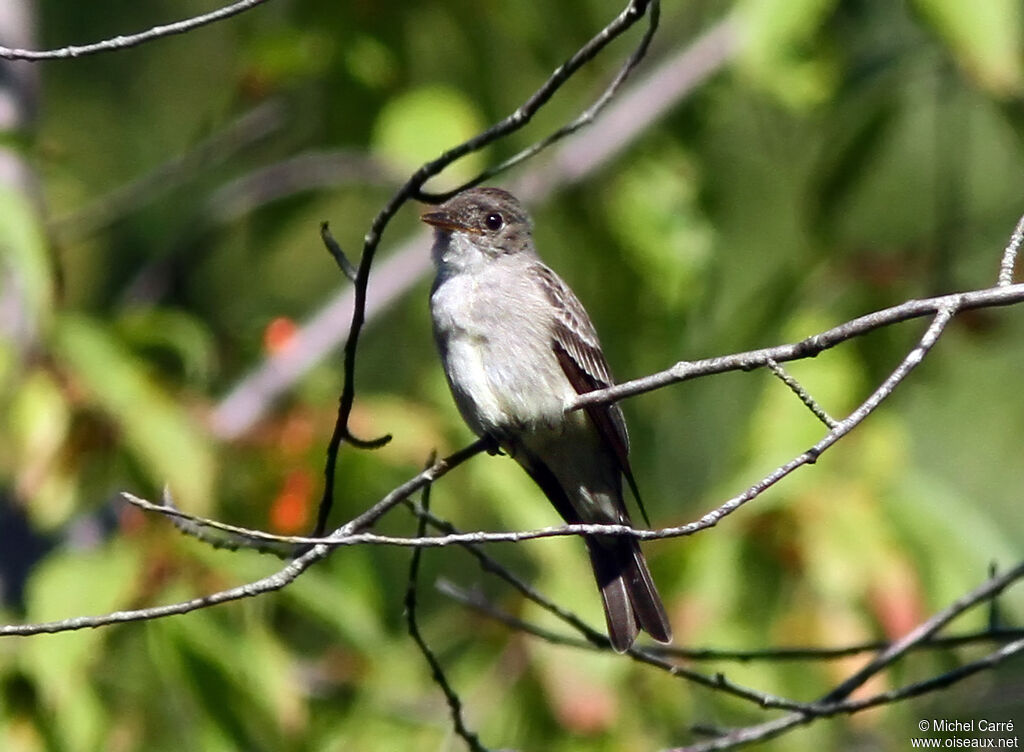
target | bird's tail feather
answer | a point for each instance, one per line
(631, 601)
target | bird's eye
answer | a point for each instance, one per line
(494, 221)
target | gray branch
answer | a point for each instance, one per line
(132, 40)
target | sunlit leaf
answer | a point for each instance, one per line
(987, 38)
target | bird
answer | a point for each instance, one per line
(517, 347)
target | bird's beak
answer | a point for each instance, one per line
(443, 220)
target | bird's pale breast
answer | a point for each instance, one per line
(513, 383)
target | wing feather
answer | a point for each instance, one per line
(578, 349)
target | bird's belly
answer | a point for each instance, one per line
(501, 366)
(500, 386)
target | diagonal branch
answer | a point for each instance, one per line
(835, 702)
(273, 582)
(132, 40)
(807, 348)
(943, 308)
(583, 119)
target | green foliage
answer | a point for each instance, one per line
(986, 38)
(854, 155)
(156, 431)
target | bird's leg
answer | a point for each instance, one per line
(493, 447)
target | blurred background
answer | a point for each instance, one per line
(159, 219)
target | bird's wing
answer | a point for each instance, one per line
(575, 343)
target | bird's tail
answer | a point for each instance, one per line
(631, 601)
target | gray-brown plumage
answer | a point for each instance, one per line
(517, 346)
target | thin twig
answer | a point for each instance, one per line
(268, 584)
(585, 118)
(988, 590)
(599, 641)
(808, 348)
(335, 250)
(1009, 260)
(797, 388)
(946, 306)
(837, 702)
(436, 671)
(763, 655)
(132, 40)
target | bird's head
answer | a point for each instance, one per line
(478, 225)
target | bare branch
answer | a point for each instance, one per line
(242, 133)
(836, 703)
(947, 307)
(585, 118)
(808, 348)
(598, 640)
(436, 671)
(132, 40)
(986, 592)
(268, 584)
(337, 253)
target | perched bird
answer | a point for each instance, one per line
(517, 346)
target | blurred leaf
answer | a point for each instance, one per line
(176, 331)
(421, 124)
(352, 607)
(780, 51)
(236, 674)
(167, 444)
(39, 421)
(986, 37)
(66, 584)
(23, 256)
(852, 159)
(654, 213)
(370, 61)
(287, 52)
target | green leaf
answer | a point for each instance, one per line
(986, 38)
(157, 431)
(654, 212)
(60, 664)
(780, 50)
(38, 420)
(23, 255)
(183, 335)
